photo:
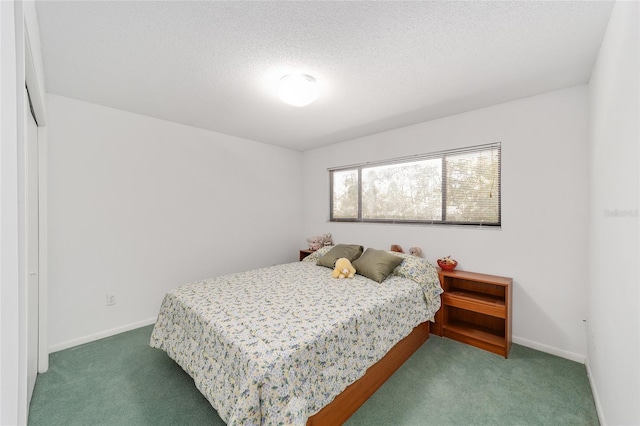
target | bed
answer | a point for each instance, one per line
(288, 344)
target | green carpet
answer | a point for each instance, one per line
(120, 380)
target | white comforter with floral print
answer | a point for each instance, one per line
(275, 345)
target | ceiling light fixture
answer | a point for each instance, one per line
(298, 89)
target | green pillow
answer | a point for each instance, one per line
(376, 264)
(350, 251)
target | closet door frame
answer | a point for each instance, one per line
(34, 81)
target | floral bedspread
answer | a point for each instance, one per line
(275, 345)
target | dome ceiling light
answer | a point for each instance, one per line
(298, 89)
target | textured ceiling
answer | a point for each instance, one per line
(380, 65)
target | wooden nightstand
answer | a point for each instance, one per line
(305, 253)
(476, 309)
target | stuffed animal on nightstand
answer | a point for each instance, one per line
(343, 269)
(315, 242)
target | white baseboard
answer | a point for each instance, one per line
(594, 391)
(549, 349)
(101, 335)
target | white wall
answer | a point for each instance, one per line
(614, 187)
(138, 206)
(542, 243)
(10, 264)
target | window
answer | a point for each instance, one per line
(460, 187)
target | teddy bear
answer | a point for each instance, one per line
(343, 269)
(415, 251)
(397, 248)
(327, 240)
(315, 242)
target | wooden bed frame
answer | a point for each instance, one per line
(348, 402)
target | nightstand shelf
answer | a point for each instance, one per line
(476, 309)
(477, 302)
(475, 335)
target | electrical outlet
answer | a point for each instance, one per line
(111, 299)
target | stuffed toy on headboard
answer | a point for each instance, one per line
(396, 248)
(415, 251)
